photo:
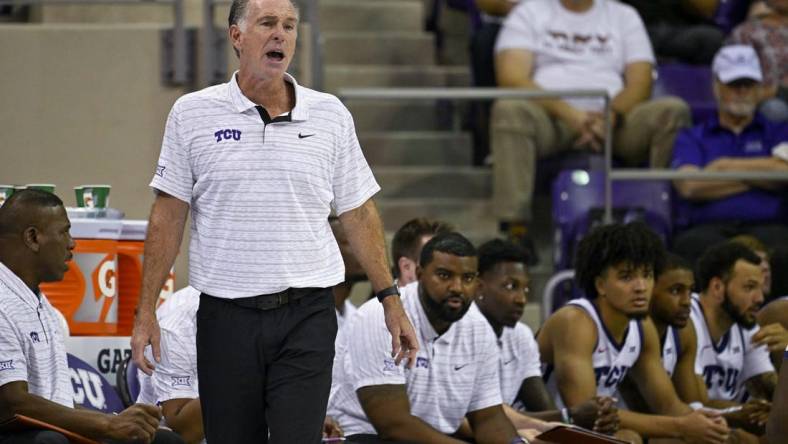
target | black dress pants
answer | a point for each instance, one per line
(265, 374)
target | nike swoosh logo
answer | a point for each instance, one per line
(458, 367)
(304, 136)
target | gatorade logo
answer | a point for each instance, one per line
(99, 301)
(87, 386)
(106, 278)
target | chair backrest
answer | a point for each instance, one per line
(578, 203)
(692, 83)
(91, 389)
(127, 382)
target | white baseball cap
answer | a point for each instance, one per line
(735, 62)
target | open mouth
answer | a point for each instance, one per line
(275, 55)
(454, 302)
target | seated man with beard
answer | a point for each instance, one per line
(730, 360)
(456, 369)
(590, 345)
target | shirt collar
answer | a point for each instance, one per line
(428, 333)
(17, 286)
(242, 104)
(758, 121)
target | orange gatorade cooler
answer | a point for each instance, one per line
(87, 295)
(130, 255)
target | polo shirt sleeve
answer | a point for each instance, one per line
(13, 363)
(756, 359)
(175, 377)
(353, 182)
(173, 173)
(487, 386)
(687, 150)
(637, 46)
(518, 30)
(369, 345)
(530, 350)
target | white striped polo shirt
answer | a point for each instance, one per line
(519, 360)
(261, 189)
(455, 373)
(31, 342)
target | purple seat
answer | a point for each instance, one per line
(690, 82)
(91, 390)
(578, 206)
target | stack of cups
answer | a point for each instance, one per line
(7, 190)
(92, 196)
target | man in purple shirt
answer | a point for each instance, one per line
(739, 139)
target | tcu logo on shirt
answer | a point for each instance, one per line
(181, 380)
(422, 362)
(7, 365)
(87, 385)
(726, 378)
(610, 376)
(34, 337)
(227, 134)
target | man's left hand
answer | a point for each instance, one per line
(403, 337)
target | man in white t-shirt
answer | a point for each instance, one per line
(503, 290)
(564, 45)
(455, 373)
(35, 247)
(259, 163)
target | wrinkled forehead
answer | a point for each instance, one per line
(282, 9)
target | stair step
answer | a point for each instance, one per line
(463, 213)
(417, 148)
(366, 76)
(378, 48)
(434, 182)
(336, 15)
(399, 115)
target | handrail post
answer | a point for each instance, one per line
(207, 54)
(608, 218)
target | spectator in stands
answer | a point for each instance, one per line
(573, 44)
(679, 31)
(354, 273)
(35, 247)
(591, 344)
(768, 34)
(503, 290)
(738, 139)
(456, 371)
(174, 384)
(407, 244)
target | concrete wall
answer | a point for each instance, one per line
(84, 104)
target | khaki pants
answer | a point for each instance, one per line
(522, 132)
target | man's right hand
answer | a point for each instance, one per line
(146, 331)
(585, 125)
(137, 423)
(703, 427)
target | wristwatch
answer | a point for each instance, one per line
(386, 292)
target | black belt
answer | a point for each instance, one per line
(274, 300)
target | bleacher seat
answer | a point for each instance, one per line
(578, 206)
(690, 82)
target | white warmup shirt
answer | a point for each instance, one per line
(175, 377)
(261, 189)
(455, 373)
(588, 50)
(519, 360)
(671, 350)
(342, 318)
(611, 360)
(32, 348)
(727, 365)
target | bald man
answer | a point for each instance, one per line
(35, 247)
